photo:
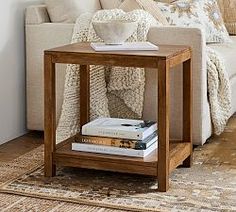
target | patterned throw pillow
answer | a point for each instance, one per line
(203, 14)
(213, 21)
(228, 10)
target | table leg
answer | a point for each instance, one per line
(49, 116)
(163, 126)
(84, 94)
(187, 109)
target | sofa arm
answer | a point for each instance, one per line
(195, 38)
(177, 36)
(36, 14)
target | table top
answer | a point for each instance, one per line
(165, 51)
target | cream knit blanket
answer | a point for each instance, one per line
(219, 92)
(113, 91)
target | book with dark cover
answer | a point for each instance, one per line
(118, 142)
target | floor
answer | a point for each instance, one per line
(19, 146)
(16, 203)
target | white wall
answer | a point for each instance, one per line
(12, 69)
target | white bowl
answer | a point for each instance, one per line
(114, 32)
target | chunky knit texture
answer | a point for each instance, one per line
(125, 89)
(219, 92)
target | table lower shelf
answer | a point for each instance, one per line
(64, 156)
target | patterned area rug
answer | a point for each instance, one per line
(210, 185)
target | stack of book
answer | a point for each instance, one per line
(126, 137)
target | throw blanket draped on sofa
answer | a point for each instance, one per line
(118, 93)
(219, 92)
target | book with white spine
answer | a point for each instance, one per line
(120, 128)
(93, 148)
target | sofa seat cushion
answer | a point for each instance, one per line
(68, 10)
(228, 52)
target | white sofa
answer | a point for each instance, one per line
(41, 34)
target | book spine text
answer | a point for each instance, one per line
(111, 133)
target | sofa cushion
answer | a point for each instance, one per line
(129, 5)
(68, 10)
(110, 4)
(148, 5)
(36, 14)
(227, 52)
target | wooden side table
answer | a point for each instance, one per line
(161, 162)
